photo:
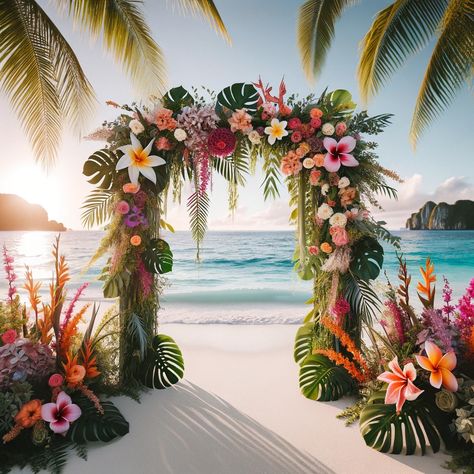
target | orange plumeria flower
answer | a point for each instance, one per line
(440, 366)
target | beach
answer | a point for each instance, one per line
(239, 411)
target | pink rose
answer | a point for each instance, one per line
(162, 143)
(122, 207)
(294, 123)
(56, 380)
(131, 188)
(315, 122)
(296, 137)
(314, 177)
(341, 128)
(339, 235)
(9, 337)
(313, 250)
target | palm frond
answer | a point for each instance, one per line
(41, 76)
(316, 22)
(137, 334)
(198, 209)
(450, 66)
(398, 31)
(96, 208)
(209, 11)
(362, 298)
(271, 179)
(126, 35)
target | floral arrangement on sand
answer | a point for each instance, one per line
(418, 388)
(53, 376)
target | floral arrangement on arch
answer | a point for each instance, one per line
(318, 145)
(53, 376)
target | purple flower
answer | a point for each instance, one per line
(135, 218)
(10, 274)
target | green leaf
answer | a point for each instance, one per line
(238, 96)
(100, 168)
(321, 379)
(420, 423)
(114, 284)
(92, 426)
(97, 208)
(341, 100)
(198, 209)
(136, 333)
(303, 342)
(158, 257)
(362, 298)
(367, 259)
(177, 98)
(164, 365)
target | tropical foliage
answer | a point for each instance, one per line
(399, 31)
(42, 76)
(53, 376)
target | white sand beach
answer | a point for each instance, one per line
(239, 411)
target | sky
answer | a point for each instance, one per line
(263, 43)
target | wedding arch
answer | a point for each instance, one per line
(321, 148)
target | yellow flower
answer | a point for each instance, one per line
(276, 130)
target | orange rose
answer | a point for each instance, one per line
(318, 160)
(315, 113)
(131, 188)
(326, 247)
(135, 240)
(75, 374)
(29, 414)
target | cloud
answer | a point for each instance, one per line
(411, 197)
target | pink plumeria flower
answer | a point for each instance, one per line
(61, 414)
(400, 384)
(339, 153)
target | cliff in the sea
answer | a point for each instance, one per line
(18, 214)
(443, 216)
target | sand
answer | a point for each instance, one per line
(239, 411)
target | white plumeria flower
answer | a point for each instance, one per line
(138, 160)
(276, 130)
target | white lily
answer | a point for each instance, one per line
(276, 130)
(138, 160)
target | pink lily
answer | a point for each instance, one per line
(59, 415)
(440, 366)
(400, 384)
(338, 153)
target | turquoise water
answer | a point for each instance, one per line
(244, 277)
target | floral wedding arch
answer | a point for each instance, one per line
(322, 150)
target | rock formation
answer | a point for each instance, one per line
(18, 214)
(443, 216)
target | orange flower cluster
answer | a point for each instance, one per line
(163, 118)
(291, 162)
(346, 341)
(27, 417)
(339, 359)
(347, 195)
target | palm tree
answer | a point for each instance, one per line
(42, 77)
(400, 30)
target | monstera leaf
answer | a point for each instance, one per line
(303, 342)
(419, 423)
(367, 259)
(158, 257)
(93, 426)
(163, 365)
(238, 96)
(321, 379)
(177, 98)
(341, 100)
(100, 168)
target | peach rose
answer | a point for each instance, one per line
(76, 374)
(313, 250)
(326, 247)
(318, 160)
(315, 113)
(131, 188)
(314, 177)
(135, 240)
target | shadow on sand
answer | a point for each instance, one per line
(189, 430)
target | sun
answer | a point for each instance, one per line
(35, 186)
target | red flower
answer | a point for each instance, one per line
(296, 137)
(315, 122)
(9, 337)
(221, 142)
(294, 123)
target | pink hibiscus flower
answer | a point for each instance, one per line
(400, 384)
(61, 414)
(339, 153)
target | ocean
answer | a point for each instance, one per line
(243, 277)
